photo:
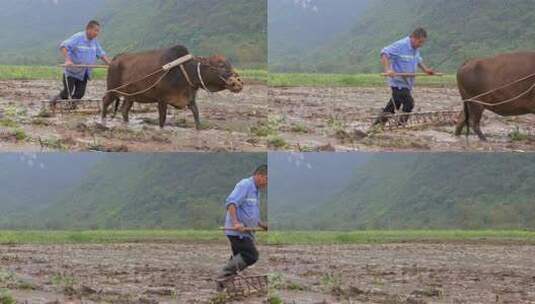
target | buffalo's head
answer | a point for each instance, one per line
(221, 75)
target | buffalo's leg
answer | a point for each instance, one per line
(475, 112)
(116, 107)
(106, 101)
(127, 105)
(162, 109)
(195, 110)
(461, 122)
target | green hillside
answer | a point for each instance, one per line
(32, 30)
(426, 191)
(142, 191)
(459, 30)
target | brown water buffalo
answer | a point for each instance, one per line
(174, 88)
(478, 76)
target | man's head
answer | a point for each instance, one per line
(92, 29)
(261, 176)
(418, 38)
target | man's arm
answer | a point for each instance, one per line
(101, 54)
(106, 59)
(65, 53)
(386, 65)
(424, 68)
(234, 217)
(263, 225)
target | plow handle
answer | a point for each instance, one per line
(245, 229)
(413, 74)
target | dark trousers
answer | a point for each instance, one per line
(246, 247)
(75, 86)
(401, 98)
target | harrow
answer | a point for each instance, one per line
(238, 285)
(85, 106)
(416, 119)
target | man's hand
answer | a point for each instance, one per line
(238, 227)
(390, 73)
(429, 71)
(426, 70)
(68, 61)
(106, 60)
(263, 226)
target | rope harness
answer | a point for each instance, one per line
(475, 98)
(166, 69)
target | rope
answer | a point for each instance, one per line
(200, 77)
(166, 68)
(116, 90)
(474, 99)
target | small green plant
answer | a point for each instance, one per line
(275, 299)
(219, 298)
(299, 128)
(331, 282)
(517, 135)
(52, 143)
(270, 127)
(294, 286)
(63, 281)
(20, 134)
(6, 298)
(275, 280)
(6, 276)
(276, 141)
(335, 124)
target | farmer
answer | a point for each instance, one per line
(80, 48)
(402, 56)
(242, 212)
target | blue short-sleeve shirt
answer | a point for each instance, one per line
(247, 201)
(81, 50)
(404, 59)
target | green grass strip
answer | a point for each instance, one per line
(378, 237)
(349, 80)
(26, 72)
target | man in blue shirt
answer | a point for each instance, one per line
(243, 212)
(81, 48)
(403, 56)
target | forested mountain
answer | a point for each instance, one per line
(415, 191)
(31, 30)
(458, 30)
(175, 190)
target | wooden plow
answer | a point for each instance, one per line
(242, 286)
(416, 119)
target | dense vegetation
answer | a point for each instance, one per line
(137, 191)
(413, 191)
(32, 30)
(459, 30)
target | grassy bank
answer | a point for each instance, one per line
(107, 236)
(271, 238)
(375, 237)
(25, 72)
(349, 80)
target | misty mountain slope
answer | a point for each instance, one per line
(458, 30)
(32, 30)
(429, 191)
(178, 190)
(301, 182)
(34, 181)
(298, 27)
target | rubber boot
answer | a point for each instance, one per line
(234, 265)
(54, 101)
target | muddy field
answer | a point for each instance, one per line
(405, 273)
(340, 118)
(226, 118)
(117, 273)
